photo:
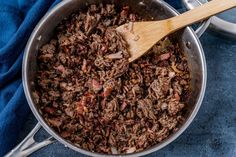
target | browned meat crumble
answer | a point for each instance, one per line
(89, 93)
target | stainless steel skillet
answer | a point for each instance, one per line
(158, 9)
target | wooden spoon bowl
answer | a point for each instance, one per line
(141, 36)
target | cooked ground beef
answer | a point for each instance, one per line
(88, 92)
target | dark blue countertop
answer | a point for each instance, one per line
(213, 131)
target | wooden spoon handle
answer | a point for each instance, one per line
(200, 13)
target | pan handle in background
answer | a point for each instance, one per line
(202, 28)
(29, 145)
(218, 25)
(205, 24)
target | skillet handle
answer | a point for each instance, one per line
(205, 24)
(29, 145)
(203, 27)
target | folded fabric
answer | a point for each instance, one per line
(17, 20)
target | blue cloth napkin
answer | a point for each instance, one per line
(17, 20)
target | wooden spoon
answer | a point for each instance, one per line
(141, 36)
